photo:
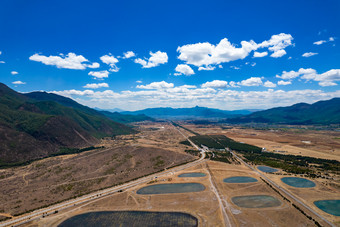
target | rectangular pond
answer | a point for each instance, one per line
(171, 188)
(131, 218)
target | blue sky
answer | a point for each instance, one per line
(139, 54)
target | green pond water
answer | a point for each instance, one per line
(267, 169)
(298, 182)
(256, 201)
(171, 188)
(192, 175)
(131, 218)
(239, 179)
(329, 206)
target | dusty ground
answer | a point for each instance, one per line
(203, 205)
(318, 144)
(58, 178)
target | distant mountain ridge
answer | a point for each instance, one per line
(38, 124)
(322, 112)
(188, 113)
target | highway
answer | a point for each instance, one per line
(99, 194)
(283, 190)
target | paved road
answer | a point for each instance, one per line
(99, 194)
(284, 190)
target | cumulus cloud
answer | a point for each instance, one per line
(186, 97)
(18, 82)
(278, 54)
(325, 79)
(319, 42)
(327, 83)
(306, 73)
(269, 84)
(260, 54)
(2, 62)
(70, 61)
(206, 54)
(207, 68)
(95, 86)
(99, 74)
(282, 82)
(235, 67)
(252, 81)
(156, 59)
(156, 85)
(14, 73)
(277, 44)
(111, 61)
(215, 84)
(139, 81)
(309, 54)
(129, 54)
(183, 69)
(331, 39)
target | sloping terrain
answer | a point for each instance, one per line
(322, 112)
(35, 126)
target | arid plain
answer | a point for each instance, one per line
(157, 147)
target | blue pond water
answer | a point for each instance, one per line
(329, 206)
(131, 218)
(192, 175)
(256, 201)
(171, 188)
(267, 169)
(298, 182)
(240, 179)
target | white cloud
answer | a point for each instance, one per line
(277, 44)
(139, 81)
(18, 82)
(325, 79)
(278, 54)
(183, 69)
(282, 82)
(70, 61)
(319, 42)
(94, 65)
(331, 39)
(95, 86)
(327, 83)
(215, 84)
(253, 64)
(156, 85)
(111, 61)
(269, 84)
(206, 54)
(207, 68)
(99, 74)
(252, 81)
(331, 75)
(156, 59)
(2, 62)
(309, 54)
(220, 66)
(235, 67)
(260, 54)
(306, 73)
(233, 84)
(129, 54)
(14, 73)
(187, 97)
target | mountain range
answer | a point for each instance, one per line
(322, 112)
(188, 113)
(37, 124)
